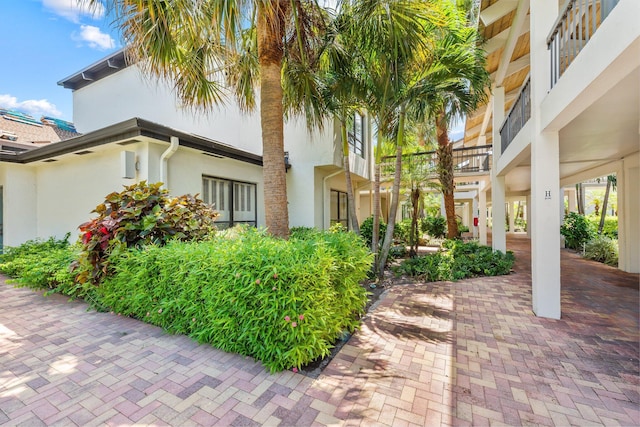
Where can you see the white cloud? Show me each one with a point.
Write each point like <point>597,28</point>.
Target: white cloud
<point>74,9</point>
<point>33,107</point>
<point>94,38</point>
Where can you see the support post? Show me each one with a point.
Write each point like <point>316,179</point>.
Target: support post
<point>498,190</point>
<point>545,173</point>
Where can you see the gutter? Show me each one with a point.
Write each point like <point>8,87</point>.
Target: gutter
<point>164,159</point>
<point>324,200</point>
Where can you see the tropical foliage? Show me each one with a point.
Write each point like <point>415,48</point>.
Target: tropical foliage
<point>576,230</point>
<point>140,215</point>
<point>283,302</point>
<point>458,261</point>
<point>602,249</point>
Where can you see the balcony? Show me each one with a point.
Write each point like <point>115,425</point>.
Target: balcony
<point>575,26</point>
<point>467,161</point>
<point>517,116</point>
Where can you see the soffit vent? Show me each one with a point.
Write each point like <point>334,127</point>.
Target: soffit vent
<point>82,153</point>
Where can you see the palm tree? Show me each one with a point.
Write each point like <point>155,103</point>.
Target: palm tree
<point>395,40</point>
<point>192,44</point>
<point>460,87</point>
<point>342,90</point>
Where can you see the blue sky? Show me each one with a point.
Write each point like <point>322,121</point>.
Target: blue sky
<point>43,42</point>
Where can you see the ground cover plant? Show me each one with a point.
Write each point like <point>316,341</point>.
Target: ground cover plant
<point>41,264</point>
<point>602,249</point>
<point>458,260</point>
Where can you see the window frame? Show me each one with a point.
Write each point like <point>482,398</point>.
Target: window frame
<point>332,220</point>
<point>230,199</point>
<point>356,140</point>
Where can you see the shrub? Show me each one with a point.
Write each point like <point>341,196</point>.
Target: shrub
<point>282,302</point>
<point>434,226</point>
<point>139,215</point>
<point>40,264</point>
<point>576,230</point>
<point>602,249</point>
<point>402,230</point>
<point>398,251</point>
<point>366,230</point>
<point>460,260</point>
<point>610,228</point>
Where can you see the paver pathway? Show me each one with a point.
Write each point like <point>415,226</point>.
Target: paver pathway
<point>443,353</point>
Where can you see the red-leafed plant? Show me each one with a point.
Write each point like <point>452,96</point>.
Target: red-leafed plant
<point>140,215</point>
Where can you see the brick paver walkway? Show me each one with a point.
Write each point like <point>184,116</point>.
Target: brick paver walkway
<point>460,353</point>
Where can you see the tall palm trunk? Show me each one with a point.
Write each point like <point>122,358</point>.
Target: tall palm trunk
<point>270,29</point>
<point>415,235</point>
<point>347,174</point>
<point>445,175</point>
<point>604,205</point>
<point>375,236</point>
<point>395,194</point>
<point>580,198</point>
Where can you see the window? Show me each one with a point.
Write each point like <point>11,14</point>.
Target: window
<point>339,208</point>
<point>235,201</point>
<point>356,135</point>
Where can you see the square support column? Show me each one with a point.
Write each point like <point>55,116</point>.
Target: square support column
<point>527,215</point>
<point>545,172</point>
<point>512,216</point>
<point>629,216</point>
<point>498,190</point>
<point>482,214</point>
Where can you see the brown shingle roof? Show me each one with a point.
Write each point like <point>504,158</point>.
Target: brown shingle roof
<point>17,128</point>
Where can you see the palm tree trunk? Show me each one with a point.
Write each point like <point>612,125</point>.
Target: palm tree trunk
<point>580,198</point>
<point>604,206</point>
<point>391,223</point>
<point>445,174</point>
<point>270,52</point>
<point>375,236</point>
<point>347,174</point>
<point>415,204</point>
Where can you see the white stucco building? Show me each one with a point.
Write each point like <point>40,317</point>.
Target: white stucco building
<point>565,108</point>
<point>134,129</point>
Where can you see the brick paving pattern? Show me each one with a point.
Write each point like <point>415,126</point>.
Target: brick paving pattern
<point>464,353</point>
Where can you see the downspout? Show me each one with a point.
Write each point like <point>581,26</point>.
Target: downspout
<point>173,147</point>
<point>324,186</point>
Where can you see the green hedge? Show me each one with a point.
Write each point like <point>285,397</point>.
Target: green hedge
<point>41,264</point>
<point>282,302</point>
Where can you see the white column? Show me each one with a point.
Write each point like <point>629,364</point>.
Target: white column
<point>628,187</point>
<point>512,216</point>
<point>482,214</point>
<point>527,215</point>
<point>443,210</point>
<point>499,236</point>
<point>545,173</point>
<point>573,202</point>
<point>474,214</point>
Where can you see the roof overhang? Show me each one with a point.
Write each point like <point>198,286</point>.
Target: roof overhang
<point>96,71</point>
<point>126,131</point>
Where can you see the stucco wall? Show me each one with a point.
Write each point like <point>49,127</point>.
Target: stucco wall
<point>187,166</point>
<point>19,203</point>
<point>69,189</point>
<point>128,94</point>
